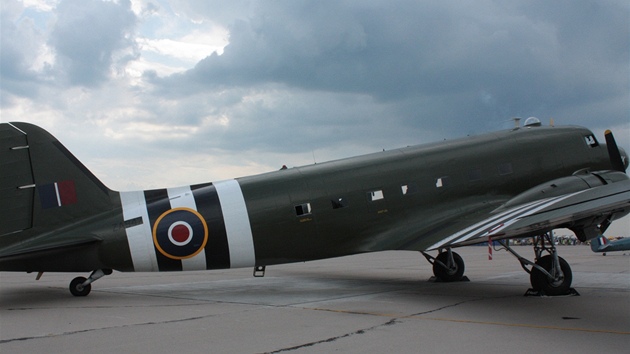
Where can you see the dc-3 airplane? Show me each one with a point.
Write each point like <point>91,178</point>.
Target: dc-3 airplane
<point>56,216</point>
<point>602,245</point>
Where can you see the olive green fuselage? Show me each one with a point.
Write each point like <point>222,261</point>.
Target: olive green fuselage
<point>403,199</point>
<point>448,186</point>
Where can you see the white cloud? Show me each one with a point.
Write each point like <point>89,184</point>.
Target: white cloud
<point>147,132</point>
<point>190,48</point>
<point>137,68</point>
<point>41,5</point>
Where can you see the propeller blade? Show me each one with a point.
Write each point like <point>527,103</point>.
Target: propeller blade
<point>613,152</point>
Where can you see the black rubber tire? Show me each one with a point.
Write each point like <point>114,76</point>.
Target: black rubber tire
<point>449,275</point>
<point>77,290</point>
<point>540,282</point>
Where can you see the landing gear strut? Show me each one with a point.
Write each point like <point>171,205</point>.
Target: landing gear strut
<point>448,266</point>
<point>80,286</point>
<point>551,274</point>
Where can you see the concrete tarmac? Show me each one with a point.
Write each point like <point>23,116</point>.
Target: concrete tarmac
<point>380,302</point>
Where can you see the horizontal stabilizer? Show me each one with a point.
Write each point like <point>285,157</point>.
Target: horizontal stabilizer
<point>41,244</point>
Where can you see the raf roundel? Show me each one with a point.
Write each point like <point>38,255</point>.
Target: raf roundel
<point>180,233</point>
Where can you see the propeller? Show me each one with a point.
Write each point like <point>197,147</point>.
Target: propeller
<point>613,152</point>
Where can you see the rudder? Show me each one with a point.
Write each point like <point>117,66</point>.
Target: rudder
<point>16,179</point>
<point>598,244</point>
<point>41,183</point>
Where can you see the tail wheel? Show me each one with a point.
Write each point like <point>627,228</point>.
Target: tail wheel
<point>453,272</point>
<point>77,289</point>
<point>541,282</point>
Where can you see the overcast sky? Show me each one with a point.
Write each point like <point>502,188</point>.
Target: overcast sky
<point>162,93</point>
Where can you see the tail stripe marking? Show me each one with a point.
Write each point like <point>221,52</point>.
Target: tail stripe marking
<point>239,232</point>
<point>157,204</point>
<point>230,242</point>
<point>139,236</point>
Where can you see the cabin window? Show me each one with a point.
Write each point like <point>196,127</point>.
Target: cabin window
<point>505,169</point>
<point>410,188</point>
<point>375,195</point>
<point>303,209</point>
<point>339,203</point>
<point>442,181</point>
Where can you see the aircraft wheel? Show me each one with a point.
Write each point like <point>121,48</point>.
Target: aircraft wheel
<point>455,273</point>
<point>540,282</point>
<point>77,289</point>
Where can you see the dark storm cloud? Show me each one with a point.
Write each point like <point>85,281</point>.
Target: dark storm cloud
<point>299,76</point>
<point>87,34</point>
<point>485,60</point>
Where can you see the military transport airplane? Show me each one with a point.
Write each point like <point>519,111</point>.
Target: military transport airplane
<point>602,244</point>
<point>56,216</point>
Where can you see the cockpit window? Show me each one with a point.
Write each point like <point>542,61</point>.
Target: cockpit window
<point>591,141</point>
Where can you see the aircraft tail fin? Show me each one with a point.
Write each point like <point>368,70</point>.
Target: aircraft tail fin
<point>598,243</point>
<point>41,183</point>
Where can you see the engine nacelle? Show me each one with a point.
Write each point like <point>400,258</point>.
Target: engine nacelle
<point>579,181</point>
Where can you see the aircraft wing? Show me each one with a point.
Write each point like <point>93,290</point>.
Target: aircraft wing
<point>580,211</point>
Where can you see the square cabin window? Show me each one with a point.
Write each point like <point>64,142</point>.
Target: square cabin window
<point>441,182</point>
<point>303,209</point>
<point>375,195</point>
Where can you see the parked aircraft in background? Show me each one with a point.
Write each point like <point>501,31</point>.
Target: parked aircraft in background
<point>602,244</point>
<point>56,216</point>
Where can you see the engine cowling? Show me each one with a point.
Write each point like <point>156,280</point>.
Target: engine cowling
<point>579,181</point>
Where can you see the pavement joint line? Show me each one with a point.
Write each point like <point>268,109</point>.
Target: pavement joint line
<point>68,333</point>
<point>422,317</point>
<point>525,325</point>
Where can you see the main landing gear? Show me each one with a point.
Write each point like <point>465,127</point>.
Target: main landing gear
<point>448,266</point>
<point>80,286</point>
<point>550,275</point>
